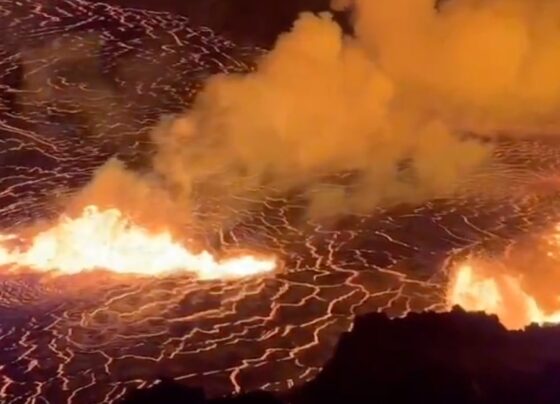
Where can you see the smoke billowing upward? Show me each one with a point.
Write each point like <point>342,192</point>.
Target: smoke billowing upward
<point>316,106</point>
<point>488,66</point>
<point>389,107</point>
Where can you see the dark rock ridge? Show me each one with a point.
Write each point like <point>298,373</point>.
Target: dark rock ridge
<point>254,21</point>
<point>454,357</point>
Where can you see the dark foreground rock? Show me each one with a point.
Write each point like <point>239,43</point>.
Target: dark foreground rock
<point>424,358</point>
<point>169,392</point>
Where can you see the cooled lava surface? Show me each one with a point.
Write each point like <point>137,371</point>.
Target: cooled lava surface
<point>81,82</point>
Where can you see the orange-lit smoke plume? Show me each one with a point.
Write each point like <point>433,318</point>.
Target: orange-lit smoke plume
<point>389,107</point>
<point>319,104</point>
<point>487,66</point>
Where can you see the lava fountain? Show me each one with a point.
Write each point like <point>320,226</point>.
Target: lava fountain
<point>521,288</point>
<point>108,240</point>
<point>475,289</point>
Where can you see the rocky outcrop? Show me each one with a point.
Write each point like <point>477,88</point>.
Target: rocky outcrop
<point>453,357</point>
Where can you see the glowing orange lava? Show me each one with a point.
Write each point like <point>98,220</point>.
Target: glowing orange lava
<point>483,287</point>
<point>106,239</point>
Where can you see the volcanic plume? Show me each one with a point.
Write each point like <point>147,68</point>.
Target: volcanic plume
<point>318,116</point>
<point>484,66</point>
<point>352,122</point>
<point>325,126</point>
<point>389,109</point>
<point>317,107</point>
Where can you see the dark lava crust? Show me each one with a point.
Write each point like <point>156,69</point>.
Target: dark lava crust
<point>81,82</point>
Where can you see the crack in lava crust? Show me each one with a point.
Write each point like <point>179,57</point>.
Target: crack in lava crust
<point>89,338</point>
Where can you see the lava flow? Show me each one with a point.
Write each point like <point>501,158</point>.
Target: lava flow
<point>107,239</point>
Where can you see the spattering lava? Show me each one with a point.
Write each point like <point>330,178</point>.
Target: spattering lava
<point>107,239</point>
<point>503,286</point>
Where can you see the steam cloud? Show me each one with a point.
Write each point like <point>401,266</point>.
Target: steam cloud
<point>388,107</point>
<point>483,65</point>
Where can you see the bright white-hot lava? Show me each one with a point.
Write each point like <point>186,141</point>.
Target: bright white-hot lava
<point>106,239</point>
<point>483,286</point>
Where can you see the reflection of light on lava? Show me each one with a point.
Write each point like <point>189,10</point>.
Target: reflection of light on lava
<point>108,240</point>
<point>478,287</point>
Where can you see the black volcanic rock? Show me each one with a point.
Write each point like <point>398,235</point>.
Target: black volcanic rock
<point>439,358</point>
<point>169,392</point>
<point>451,357</point>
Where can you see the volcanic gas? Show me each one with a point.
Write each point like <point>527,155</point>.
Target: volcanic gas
<point>107,239</point>
<point>363,161</point>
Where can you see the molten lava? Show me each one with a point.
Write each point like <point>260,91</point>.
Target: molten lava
<point>106,239</point>
<point>488,288</point>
